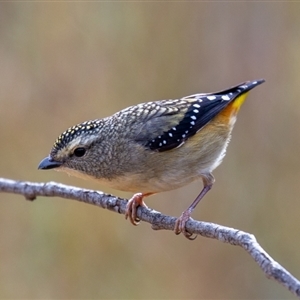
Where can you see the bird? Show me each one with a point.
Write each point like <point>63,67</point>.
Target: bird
<point>153,147</point>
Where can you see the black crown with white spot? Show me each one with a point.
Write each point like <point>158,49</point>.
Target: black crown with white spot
<point>88,127</point>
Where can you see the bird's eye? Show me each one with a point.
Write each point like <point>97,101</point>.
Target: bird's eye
<point>79,152</point>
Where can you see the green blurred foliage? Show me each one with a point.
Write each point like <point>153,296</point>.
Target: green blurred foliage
<point>63,63</point>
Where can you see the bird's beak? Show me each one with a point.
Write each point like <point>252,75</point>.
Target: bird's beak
<point>48,163</point>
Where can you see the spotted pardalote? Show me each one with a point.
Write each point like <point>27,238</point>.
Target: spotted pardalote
<point>153,147</point>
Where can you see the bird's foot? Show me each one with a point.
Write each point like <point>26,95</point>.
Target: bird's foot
<point>180,225</point>
<point>131,208</point>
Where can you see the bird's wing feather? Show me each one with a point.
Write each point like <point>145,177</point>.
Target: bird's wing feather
<point>166,131</point>
<point>167,124</point>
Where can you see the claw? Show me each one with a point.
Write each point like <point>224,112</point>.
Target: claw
<point>180,226</point>
<point>131,208</point>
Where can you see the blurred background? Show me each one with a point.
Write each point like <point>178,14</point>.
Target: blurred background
<point>64,63</point>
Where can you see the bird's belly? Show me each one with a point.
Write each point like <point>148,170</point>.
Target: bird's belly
<point>166,175</point>
<point>137,183</point>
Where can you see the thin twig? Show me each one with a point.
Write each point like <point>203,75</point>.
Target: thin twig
<point>247,241</point>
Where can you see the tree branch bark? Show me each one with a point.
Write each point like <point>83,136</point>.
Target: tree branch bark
<point>247,241</point>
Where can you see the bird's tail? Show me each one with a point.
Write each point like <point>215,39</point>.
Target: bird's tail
<point>242,91</point>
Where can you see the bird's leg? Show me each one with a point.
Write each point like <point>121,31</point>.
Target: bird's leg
<point>131,207</point>
<point>208,181</point>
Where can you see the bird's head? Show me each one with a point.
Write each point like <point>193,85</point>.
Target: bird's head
<point>77,149</point>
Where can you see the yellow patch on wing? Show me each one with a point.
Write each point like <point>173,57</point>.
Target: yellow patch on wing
<point>237,103</point>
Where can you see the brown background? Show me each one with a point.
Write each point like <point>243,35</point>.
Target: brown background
<point>63,63</point>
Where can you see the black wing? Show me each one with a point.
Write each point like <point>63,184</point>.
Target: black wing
<point>173,127</point>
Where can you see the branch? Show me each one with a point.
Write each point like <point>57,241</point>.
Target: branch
<point>247,241</point>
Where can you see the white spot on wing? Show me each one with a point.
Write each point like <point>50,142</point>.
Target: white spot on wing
<point>211,97</point>
<point>225,97</point>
